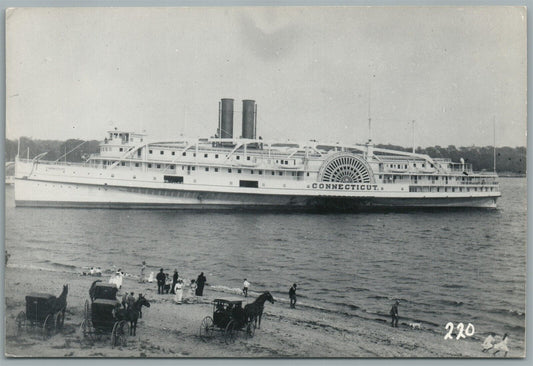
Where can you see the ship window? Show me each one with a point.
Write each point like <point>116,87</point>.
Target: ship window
<point>173,153</point>
<point>184,154</point>
<point>252,172</point>
<point>216,156</point>
<point>293,174</point>
<point>273,172</point>
<point>139,152</point>
<point>173,179</point>
<point>286,162</point>
<point>121,149</point>
<point>239,171</point>
<point>149,151</point>
<point>123,163</point>
<point>205,155</point>
<point>248,183</point>
<point>194,155</point>
<point>136,165</point>
<point>229,170</point>
<point>158,166</point>
<point>161,152</point>
<point>149,165</point>
<point>280,173</point>
<point>216,170</point>
<point>206,169</point>
<point>308,174</point>
<point>238,157</point>
<point>260,172</point>
<point>247,158</point>
<point>193,168</point>
<point>172,167</point>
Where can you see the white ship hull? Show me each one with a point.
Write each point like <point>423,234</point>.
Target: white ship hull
<point>33,193</point>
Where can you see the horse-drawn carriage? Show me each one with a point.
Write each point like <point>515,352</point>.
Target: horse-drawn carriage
<point>100,319</point>
<point>44,312</point>
<point>104,316</point>
<point>229,317</point>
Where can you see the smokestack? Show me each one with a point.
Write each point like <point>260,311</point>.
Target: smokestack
<point>248,119</point>
<point>226,118</point>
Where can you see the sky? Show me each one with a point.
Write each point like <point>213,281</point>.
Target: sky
<point>315,72</point>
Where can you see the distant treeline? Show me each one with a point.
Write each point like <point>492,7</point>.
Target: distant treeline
<point>510,160</point>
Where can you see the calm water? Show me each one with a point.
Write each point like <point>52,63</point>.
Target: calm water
<point>461,266</point>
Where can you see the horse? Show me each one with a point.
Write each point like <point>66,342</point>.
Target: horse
<point>254,311</point>
<point>133,313</point>
<point>60,304</point>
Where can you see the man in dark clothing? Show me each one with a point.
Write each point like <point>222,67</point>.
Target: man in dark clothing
<point>174,281</point>
<point>200,281</point>
<point>394,314</point>
<point>292,295</point>
<point>160,282</point>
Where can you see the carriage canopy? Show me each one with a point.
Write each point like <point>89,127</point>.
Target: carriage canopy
<point>39,306</point>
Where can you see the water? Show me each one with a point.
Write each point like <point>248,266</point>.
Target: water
<point>450,265</point>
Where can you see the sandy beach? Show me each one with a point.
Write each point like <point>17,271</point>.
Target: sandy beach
<point>171,330</point>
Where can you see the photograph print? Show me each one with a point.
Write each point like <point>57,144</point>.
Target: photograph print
<point>265,182</point>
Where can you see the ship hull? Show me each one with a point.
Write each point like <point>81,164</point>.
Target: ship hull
<point>29,193</point>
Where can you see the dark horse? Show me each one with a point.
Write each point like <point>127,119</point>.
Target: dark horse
<point>254,311</point>
<point>60,304</point>
<point>133,313</point>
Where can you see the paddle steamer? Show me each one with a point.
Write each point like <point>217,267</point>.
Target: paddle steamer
<point>226,171</point>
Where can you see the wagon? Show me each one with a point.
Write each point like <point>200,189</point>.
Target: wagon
<point>43,312</point>
<point>228,317</point>
<point>100,315</point>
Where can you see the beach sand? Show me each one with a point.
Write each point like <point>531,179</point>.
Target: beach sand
<point>171,330</point>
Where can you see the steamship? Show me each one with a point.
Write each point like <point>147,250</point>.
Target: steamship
<point>226,171</point>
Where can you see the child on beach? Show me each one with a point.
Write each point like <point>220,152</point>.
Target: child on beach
<point>143,268</point>
<point>246,284</point>
<point>394,314</point>
<point>292,295</point>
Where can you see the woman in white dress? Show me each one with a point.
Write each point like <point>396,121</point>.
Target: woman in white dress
<point>178,289</point>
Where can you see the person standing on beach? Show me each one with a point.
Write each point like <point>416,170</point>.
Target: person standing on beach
<point>178,291</point>
<point>160,281</point>
<point>143,267</point>
<point>174,281</point>
<point>131,300</point>
<point>394,314</point>
<point>245,286</point>
<point>292,295</point>
<point>200,282</point>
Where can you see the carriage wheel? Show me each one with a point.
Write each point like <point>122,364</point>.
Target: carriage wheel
<point>230,333</point>
<point>49,326</point>
<point>207,328</point>
<point>87,310</point>
<point>60,319</point>
<point>120,333</point>
<point>84,328</point>
<point>250,329</point>
<point>20,323</point>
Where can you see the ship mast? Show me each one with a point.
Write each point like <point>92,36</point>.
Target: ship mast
<point>494,142</point>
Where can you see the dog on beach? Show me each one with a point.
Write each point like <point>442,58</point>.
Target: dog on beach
<point>415,325</point>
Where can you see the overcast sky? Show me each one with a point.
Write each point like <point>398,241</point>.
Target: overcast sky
<point>315,72</point>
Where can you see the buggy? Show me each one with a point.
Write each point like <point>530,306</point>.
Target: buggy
<point>100,315</point>
<point>228,317</point>
<point>44,312</point>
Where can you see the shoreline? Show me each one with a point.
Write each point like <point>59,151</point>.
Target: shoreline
<point>169,330</point>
